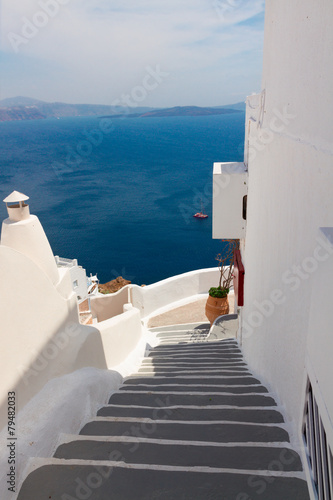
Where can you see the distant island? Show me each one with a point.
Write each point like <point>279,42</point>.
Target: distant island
<point>179,111</point>
<point>20,113</point>
<point>25,108</point>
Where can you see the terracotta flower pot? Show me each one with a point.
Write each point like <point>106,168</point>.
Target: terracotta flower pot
<point>216,307</point>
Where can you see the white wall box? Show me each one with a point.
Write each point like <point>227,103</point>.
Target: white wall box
<point>229,200</point>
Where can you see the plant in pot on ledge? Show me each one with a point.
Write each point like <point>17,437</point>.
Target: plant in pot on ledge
<point>217,303</point>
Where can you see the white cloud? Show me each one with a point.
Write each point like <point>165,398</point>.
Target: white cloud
<point>105,46</point>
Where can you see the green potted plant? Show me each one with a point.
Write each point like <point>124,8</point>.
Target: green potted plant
<point>217,303</point>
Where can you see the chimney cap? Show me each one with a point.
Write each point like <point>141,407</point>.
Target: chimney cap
<point>15,197</point>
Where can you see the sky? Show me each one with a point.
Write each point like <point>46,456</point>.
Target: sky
<point>156,53</point>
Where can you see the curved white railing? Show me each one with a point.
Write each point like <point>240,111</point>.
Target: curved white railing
<point>164,293</point>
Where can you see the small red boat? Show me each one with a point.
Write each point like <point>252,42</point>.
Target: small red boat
<point>201,215</point>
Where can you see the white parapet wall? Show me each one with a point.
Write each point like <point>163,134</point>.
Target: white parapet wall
<point>120,335</point>
<point>152,298</point>
<point>107,306</point>
<point>59,371</point>
<point>41,336</point>
<point>100,358</point>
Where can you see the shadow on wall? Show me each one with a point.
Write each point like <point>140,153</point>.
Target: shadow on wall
<point>69,348</point>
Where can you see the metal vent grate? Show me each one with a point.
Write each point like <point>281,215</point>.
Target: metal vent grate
<point>318,450</point>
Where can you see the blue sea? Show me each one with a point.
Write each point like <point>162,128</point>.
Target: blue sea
<point>120,195</point>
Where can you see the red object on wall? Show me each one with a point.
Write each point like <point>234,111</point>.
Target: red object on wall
<point>239,274</point>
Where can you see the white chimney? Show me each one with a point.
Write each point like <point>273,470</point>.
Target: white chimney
<point>16,208</point>
<point>24,233</point>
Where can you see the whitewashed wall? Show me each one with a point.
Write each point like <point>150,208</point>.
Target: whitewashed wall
<point>153,297</point>
<point>32,312</point>
<point>107,306</point>
<point>120,336</point>
<point>40,334</point>
<point>319,346</point>
<point>79,276</point>
<point>290,192</point>
<point>28,237</point>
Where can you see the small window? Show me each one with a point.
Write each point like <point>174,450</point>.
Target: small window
<point>75,284</point>
<point>244,207</point>
<point>317,448</point>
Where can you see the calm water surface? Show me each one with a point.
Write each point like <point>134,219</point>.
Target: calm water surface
<point>125,204</point>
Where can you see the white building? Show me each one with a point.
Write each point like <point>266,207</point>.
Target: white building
<point>78,276</point>
<point>286,322</point>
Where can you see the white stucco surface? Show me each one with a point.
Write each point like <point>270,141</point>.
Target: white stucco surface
<point>319,347</point>
<point>289,149</point>
<point>32,314</point>
<point>28,237</point>
<point>106,306</point>
<point>64,406</point>
<point>41,336</point>
<point>120,335</point>
<point>229,189</point>
<point>167,293</point>
<point>79,282</point>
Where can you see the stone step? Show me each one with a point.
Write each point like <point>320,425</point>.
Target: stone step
<point>179,333</point>
<point>218,344</point>
<point>192,413</point>
<point>190,455</point>
<point>195,347</point>
<point>204,353</point>
<point>188,364</point>
<point>187,326</point>
<point>196,364</point>
<point>194,353</point>
<point>181,342</point>
<point>134,482</point>
<point>223,368</point>
<point>216,367</point>
<point>208,344</point>
<point>253,389</point>
<point>186,431</point>
<point>182,335</point>
<point>155,372</point>
<point>211,357</point>
<point>185,350</point>
<point>196,400</point>
<point>198,369</point>
<point>188,356</point>
<point>224,381</point>
<point>150,363</point>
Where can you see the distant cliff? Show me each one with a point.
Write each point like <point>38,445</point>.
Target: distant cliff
<point>25,108</point>
<point>188,111</point>
<point>181,111</point>
<point>20,113</point>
